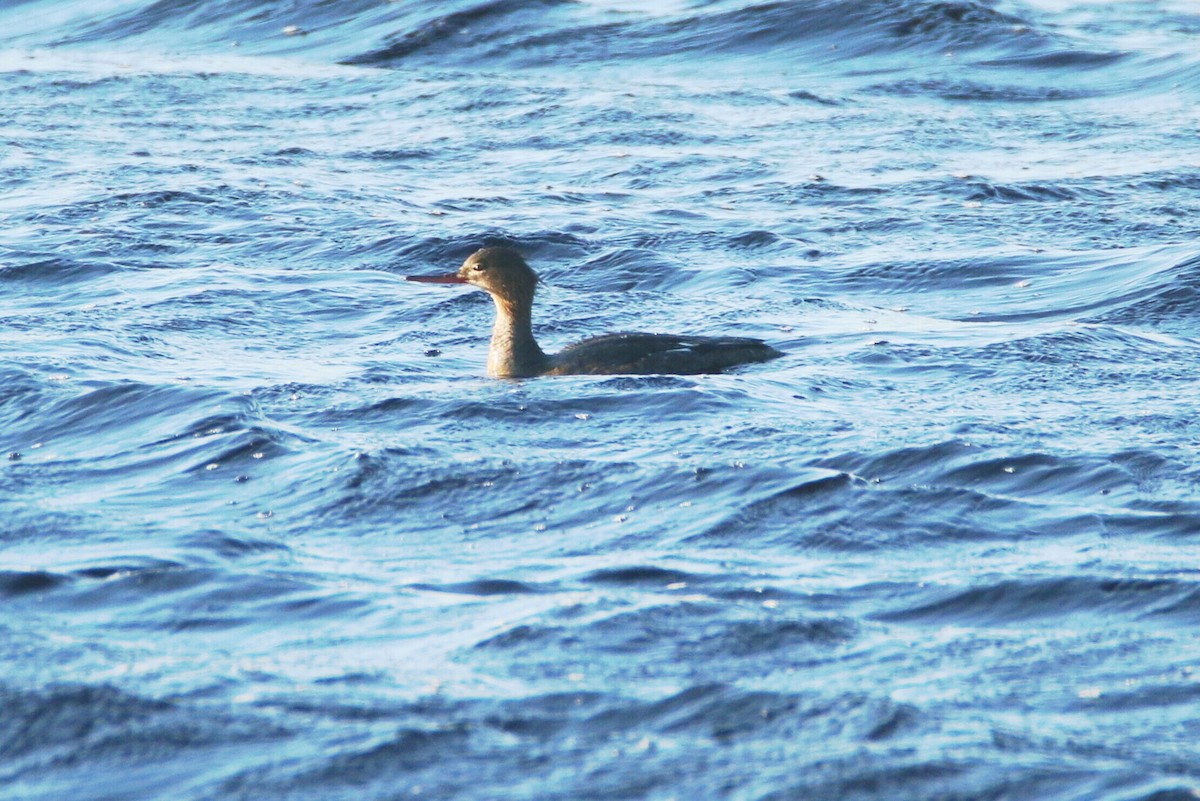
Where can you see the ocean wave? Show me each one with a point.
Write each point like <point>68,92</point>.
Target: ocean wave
<point>1011,602</point>
<point>502,32</point>
<point>1087,286</point>
<point>993,52</point>
<point>268,530</point>
<point>970,91</point>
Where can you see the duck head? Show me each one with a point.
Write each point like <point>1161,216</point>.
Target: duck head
<point>500,271</point>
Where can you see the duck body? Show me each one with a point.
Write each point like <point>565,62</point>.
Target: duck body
<point>635,353</point>
<point>514,353</point>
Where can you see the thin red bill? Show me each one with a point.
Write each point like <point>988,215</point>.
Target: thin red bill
<point>452,278</point>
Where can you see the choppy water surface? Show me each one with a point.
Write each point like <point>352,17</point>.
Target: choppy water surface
<point>268,532</point>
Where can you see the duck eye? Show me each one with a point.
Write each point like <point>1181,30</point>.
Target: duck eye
<point>478,268</point>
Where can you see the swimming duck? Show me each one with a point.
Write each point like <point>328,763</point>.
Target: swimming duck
<point>514,353</point>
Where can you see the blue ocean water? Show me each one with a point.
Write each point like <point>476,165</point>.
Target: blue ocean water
<point>267,531</point>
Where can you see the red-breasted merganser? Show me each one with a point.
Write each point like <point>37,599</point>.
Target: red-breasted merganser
<point>514,353</point>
